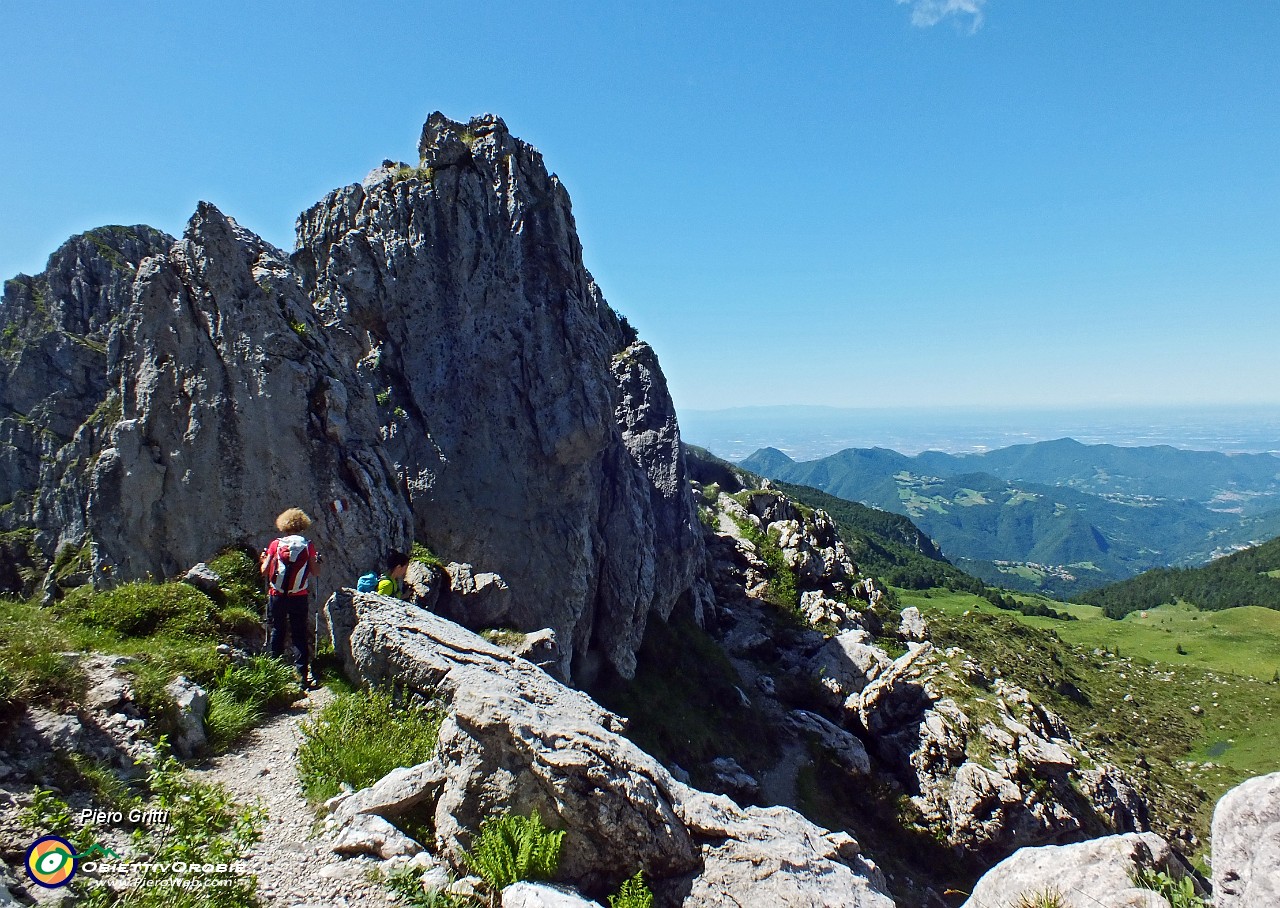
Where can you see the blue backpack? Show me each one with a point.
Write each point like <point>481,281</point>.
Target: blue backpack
<point>368,583</point>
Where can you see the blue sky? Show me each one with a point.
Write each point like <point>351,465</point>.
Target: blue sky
<point>857,203</point>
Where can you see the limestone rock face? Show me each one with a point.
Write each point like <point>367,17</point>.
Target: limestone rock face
<point>516,740</point>
<point>433,363</point>
<point>538,440</point>
<point>54,389</point>
<point>235,405</point>
<point>1246,845</point>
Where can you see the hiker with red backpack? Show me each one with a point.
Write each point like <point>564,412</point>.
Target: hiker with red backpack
<point>288,564</point>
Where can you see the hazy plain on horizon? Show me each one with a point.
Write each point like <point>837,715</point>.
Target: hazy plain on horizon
<point>809,432</point>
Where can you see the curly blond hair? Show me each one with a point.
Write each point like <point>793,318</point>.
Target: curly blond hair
<point>293,520</point>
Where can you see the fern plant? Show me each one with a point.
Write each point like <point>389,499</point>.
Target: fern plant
<point>511,848</point>
<point>633,894</point>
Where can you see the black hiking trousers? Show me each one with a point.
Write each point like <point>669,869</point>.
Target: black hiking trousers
<point>290,611</point>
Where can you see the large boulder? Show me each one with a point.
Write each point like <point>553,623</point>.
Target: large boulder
<point>540,895</point>
<point>846,664</point>
<point>516,740</point>
<point>190,707</point>
<point>1246,845</point>
<point>1098,873</point>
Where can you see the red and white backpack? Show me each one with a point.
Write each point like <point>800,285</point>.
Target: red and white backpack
<point>288,566</point>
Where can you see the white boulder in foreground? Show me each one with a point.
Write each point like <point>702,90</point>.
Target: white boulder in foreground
<point>1098,873</point>
<point>1246,845</point>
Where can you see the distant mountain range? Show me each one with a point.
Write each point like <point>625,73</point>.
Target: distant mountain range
<point>1058,516</point>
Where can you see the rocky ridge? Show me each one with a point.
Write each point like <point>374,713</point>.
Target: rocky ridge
<point>988,768</point>
<point>433,363</point>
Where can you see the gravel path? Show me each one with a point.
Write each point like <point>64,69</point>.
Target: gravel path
<point>295,868</point>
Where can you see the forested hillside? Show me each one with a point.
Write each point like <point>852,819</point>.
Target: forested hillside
<point>1249,577</point>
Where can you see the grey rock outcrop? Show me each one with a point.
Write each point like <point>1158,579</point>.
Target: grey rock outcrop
<point>848,751</point>
<point>56,400</point>
<point>433,363</point>
<point>190,705</point>
<point>1246,845</point>
<point>517,740</point>
<point>912,626</point>
<point>994,774</point>
<point>475,598</point>
<point>1098,873</point>
<point>846,664</point>
<point>236,403</point>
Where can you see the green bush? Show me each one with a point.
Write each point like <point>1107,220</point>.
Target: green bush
<point>633,894</point>
<point>781,591</point>
<point>141,609</point>
<point>240,582</point>
<point>240,622</point>
<point>205,826</point>
<point>511,848</point>
<point>1180,893</point>
<point>33,669</point>
<point>359,738</point>
<point>419,552</point>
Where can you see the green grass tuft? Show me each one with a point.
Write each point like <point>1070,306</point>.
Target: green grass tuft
<point>140,609</point>
<point>419,552</point>
<point>1050,897</point>
<point>240,582</point>
<point>359,738</point>
<point>229,718</point>
<point>503,636</point>
<point>244,694</point>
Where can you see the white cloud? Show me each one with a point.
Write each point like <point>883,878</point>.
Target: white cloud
<point>925,13</point>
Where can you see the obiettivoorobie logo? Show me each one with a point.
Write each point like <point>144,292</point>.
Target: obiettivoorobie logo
<point>52,861</point>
